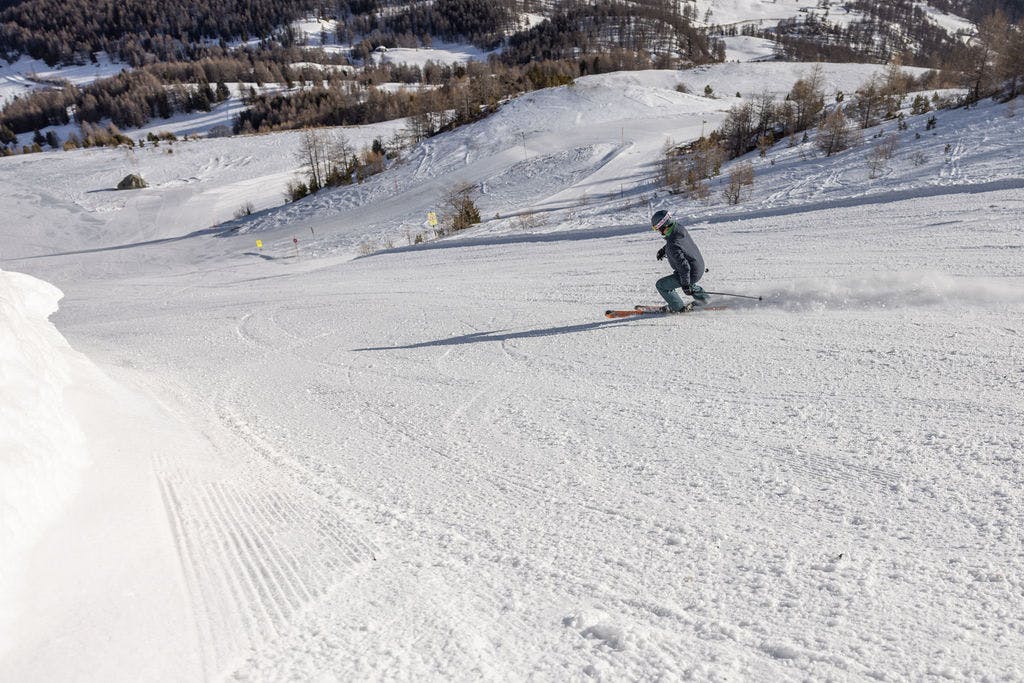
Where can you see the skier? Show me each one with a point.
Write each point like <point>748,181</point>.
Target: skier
<point>686,261</point>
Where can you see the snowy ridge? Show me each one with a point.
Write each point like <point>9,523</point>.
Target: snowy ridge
<point>41,445</point>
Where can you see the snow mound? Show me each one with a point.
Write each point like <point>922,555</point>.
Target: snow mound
<point>595,625</point>
<point>41,445</point>
<point>896,291</point>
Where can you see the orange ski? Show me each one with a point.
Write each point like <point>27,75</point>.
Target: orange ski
<point>656,310</point>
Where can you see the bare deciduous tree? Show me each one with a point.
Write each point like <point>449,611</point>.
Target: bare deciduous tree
<point>313,155</point>
<point>808,98</point>
<point>834,134</point>
<point>740,176</point>
<point>880,153</point>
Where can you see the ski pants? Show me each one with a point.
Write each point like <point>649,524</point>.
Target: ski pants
<point>667,287</point>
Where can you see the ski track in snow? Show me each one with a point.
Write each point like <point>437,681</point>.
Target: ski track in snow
<point>258,547</point>
<point>439,462</point>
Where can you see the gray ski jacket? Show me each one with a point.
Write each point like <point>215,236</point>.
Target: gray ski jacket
<point>683,255</point>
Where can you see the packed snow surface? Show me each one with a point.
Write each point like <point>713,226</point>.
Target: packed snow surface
<point>440,461</point>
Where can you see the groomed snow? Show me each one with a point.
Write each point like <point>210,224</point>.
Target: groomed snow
<point>441,462</point>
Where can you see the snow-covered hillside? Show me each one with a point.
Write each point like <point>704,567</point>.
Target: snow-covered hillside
<point>548,151</point>
<point>442,462</point>
<point>768,13</point>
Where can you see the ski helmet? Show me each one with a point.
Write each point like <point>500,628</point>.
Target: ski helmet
<point>660,220</point>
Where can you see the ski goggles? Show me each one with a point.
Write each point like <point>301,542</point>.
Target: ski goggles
<point>667,220</point>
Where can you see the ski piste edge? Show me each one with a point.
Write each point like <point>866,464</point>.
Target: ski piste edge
<point>656,310</point>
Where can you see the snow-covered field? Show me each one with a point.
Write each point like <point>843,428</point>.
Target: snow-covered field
<point>950,22</point>
<point>764,13</point>
<point>748,49</point>
<point>441,462</point>
<point>25,74</point>
<point>439,53</point>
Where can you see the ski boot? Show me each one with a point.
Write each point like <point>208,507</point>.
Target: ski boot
<point>700,297</point>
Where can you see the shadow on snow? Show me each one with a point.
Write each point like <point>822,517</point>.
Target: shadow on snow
<point>500,336</point>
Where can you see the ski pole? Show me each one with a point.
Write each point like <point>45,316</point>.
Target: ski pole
<point>740,296</point>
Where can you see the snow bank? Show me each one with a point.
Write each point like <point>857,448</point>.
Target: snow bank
<point>41,446</point>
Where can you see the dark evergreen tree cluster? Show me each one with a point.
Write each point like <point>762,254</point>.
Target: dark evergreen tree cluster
<point>131,98</point>
<point>887,28</point>
<point>655,31</point>
<point>70,31</point>
<point>484,23</point>
<point>462,94</point>
<point>976,10</point>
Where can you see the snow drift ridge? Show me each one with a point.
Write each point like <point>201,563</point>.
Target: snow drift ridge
<point>41,445</point>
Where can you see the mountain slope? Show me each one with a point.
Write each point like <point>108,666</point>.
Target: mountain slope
<point>442,462</point>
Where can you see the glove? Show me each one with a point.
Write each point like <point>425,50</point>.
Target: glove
<point>687,290</point>
<point>661,253</point>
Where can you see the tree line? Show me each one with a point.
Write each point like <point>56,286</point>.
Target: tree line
<point>976,10</point>
<point>143,31</point>
<point>484,23</point>
<point>132,98</point>
<point>450,96</point>
<point>70,31</point>
<point>333,95</point>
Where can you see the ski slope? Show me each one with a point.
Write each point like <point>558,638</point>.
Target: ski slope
<point>441,462</point>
